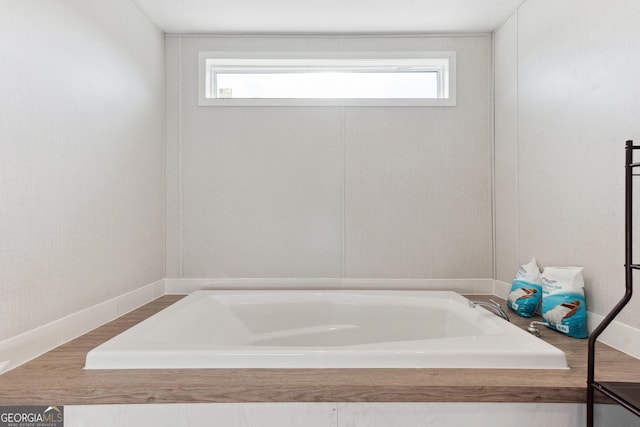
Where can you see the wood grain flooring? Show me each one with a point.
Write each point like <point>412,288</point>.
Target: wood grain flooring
<point>58,377</point>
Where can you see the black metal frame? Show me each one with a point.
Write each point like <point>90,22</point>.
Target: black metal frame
<point>625,394</point>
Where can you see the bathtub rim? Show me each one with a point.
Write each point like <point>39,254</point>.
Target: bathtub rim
<point>249,358</point>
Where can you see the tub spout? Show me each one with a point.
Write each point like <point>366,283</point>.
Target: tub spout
<point>533,327</point>
<point>493,306</point>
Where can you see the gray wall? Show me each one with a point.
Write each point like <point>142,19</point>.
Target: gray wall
<point>377,192</point>
<point>81,157</point>
<point>567,97</point>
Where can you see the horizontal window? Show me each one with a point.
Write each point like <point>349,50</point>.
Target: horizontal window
<point>383,80</point>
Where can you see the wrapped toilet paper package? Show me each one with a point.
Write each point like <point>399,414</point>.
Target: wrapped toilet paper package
<point>563,304</point>
<point>526,290</point>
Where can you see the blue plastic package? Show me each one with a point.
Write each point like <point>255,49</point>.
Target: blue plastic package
<point>526,290</point>
<point>563,303</point>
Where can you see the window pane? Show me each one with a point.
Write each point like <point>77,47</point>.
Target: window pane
<point>256,85</point>
<point>236,79</point>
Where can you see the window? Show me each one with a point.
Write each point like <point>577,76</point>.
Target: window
<point>401,79</point>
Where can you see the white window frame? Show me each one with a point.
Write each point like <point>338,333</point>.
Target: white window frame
<point>444,62</point>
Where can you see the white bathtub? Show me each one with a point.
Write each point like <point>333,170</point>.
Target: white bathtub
<point>324,329</point>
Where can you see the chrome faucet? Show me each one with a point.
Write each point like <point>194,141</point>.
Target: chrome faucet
<point>533,327</point>
<point>494,306</point>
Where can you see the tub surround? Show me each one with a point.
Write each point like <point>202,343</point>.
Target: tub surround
<point>59,377</point>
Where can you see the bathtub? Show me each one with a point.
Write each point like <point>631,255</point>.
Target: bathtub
<point>324,329</point>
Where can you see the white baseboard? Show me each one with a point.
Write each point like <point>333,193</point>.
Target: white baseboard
<point>617,335</point>
<point>24,347</point>
<point>467,286</point>
<point>501,289</point>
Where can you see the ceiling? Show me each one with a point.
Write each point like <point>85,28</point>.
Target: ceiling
<point>327,16</point>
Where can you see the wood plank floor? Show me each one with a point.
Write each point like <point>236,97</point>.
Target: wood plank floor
<point>57,377</point>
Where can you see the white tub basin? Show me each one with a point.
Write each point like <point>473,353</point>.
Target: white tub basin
<point>328,329</point>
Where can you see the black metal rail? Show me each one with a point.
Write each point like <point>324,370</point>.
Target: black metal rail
<point>625,394</point>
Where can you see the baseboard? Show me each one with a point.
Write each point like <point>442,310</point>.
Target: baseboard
<point>24,347</point>
<point>501,289</point>
<point>467,286</point>
<point>617,335</point>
